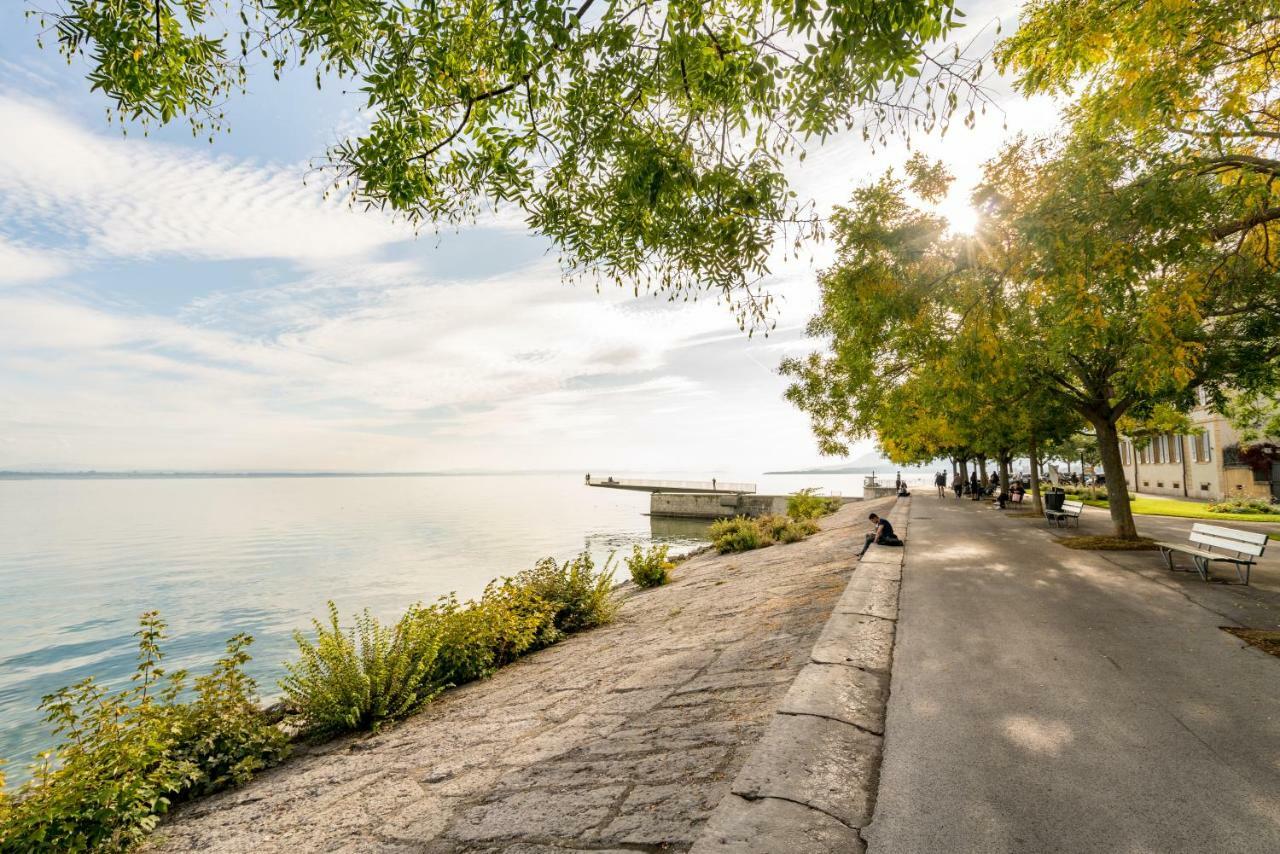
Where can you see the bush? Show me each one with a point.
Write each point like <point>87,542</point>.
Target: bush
<point>739,534</point>
<point>796,531</point>
<point>807,504</point>
<point>649,568</point>
<point>125,758</point>
<point>365,676</point>
<point>742,534</point>
<point>476,638</point>
<point>1244,505</point>
<point>580,597</point>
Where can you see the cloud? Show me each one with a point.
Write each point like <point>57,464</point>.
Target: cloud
<point>136,198</point>
<point>21,264</point>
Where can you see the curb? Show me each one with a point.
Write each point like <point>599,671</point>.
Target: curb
<point>809,786</point>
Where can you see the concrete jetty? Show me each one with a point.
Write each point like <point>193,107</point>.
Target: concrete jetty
<point>699,487</point>
<point>700,499</point>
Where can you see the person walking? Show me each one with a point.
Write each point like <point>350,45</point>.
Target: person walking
<point>975,487</point>
<point>940,481</point>
<point>957,485</point>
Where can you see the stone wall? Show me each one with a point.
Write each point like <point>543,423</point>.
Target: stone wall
<point>692,505</point>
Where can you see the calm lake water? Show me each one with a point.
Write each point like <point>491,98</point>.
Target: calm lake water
<point>81,559</point>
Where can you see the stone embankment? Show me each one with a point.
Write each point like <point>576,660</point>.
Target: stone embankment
<point>750,691</point>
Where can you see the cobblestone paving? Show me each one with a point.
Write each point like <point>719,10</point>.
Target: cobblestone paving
<point>620,739</point>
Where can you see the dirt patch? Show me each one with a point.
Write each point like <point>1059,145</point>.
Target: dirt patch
<point>1109,544</point>
<point>1266,640</point>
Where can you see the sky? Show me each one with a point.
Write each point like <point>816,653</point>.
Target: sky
<point>170,304</point>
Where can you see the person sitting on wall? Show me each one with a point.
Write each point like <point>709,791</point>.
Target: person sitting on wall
<point>882,535</point>
<point>902,489</point>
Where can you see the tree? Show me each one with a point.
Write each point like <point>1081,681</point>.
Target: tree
<point>921,348</point>
<point>1191,84</point>
<point>1131,305</point>
<point>1082,260</point>
<point>645,139</point>
<point>1081,446</point>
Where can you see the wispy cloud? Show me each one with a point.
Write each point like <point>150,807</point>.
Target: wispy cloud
<point>107,196</point>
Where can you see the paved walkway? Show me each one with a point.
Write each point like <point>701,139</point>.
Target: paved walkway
<point>624,738</point>
<point>1048,700</point>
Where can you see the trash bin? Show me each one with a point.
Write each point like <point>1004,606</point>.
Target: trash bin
<point>1053,499</point>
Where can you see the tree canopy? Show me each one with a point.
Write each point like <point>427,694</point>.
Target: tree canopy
<point>1087,288</point>
<point>647,140</point>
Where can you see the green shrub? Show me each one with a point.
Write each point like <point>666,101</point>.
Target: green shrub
<point>742,534</point>
<point>739,534</point>
<point>124,758</point>
<point>580,597</point>
<point>362,677</point>
<point>476,638</point>
<point>796,531</point>
<point>772,526</point>
<point>807,504</point>
<point>1244,505</point>
<point>649,567</point>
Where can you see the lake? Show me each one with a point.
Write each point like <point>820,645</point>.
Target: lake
<point>80,559</point>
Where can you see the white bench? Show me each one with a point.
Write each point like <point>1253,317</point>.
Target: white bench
<point>1240,548</point>
<point>1070,510</point>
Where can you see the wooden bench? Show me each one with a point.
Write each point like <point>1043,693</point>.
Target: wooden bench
<point>1070,510</point>
<point>1240,548</point>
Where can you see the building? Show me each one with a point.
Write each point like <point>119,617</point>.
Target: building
<point>1205,466</point>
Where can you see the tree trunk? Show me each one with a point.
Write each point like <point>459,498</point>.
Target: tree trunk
<point>1004,460</point>
<point>1117,489</point>
<point>982,472</point>
<point>1034,461</point>
<point>964,469</point>
<point>1186,465</point>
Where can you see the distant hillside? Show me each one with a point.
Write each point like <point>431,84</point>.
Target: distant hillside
<point>851,468</point>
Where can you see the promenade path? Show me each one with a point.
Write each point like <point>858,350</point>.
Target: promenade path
<point>624,738</point>
<point>1046,700</point>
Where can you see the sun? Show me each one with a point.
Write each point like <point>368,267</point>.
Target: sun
<point>961,216</point>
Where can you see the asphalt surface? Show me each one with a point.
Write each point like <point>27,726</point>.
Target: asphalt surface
<point>1046,700</point>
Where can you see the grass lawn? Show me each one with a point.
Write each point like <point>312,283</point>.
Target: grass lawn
<point>1150,506</point>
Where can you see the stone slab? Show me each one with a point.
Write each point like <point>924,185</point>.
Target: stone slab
<point>770,826</point>
<point>880,572</point>
<point>889,555</point>
<point>842,693</point>
<point>821,763</point>
<point>879,601</point>
<point>855,640</point>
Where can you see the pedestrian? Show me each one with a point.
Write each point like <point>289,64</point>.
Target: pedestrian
<point>957,485</point>
<point>588,477</point>
<point>975,488</point>
<point>881,534</point>
<point>940,481</point>
<point>713,484</point>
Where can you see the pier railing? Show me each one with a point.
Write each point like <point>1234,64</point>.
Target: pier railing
<point>714,486</point>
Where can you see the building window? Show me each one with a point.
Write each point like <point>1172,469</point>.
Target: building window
<point>1126,451</point>
<point>1175,445</point>
<point>1200,444</point>
<point>1202,396</point>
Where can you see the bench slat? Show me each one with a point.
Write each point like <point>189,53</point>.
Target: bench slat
<point>1230,533</point>
<point>1223,543</point>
